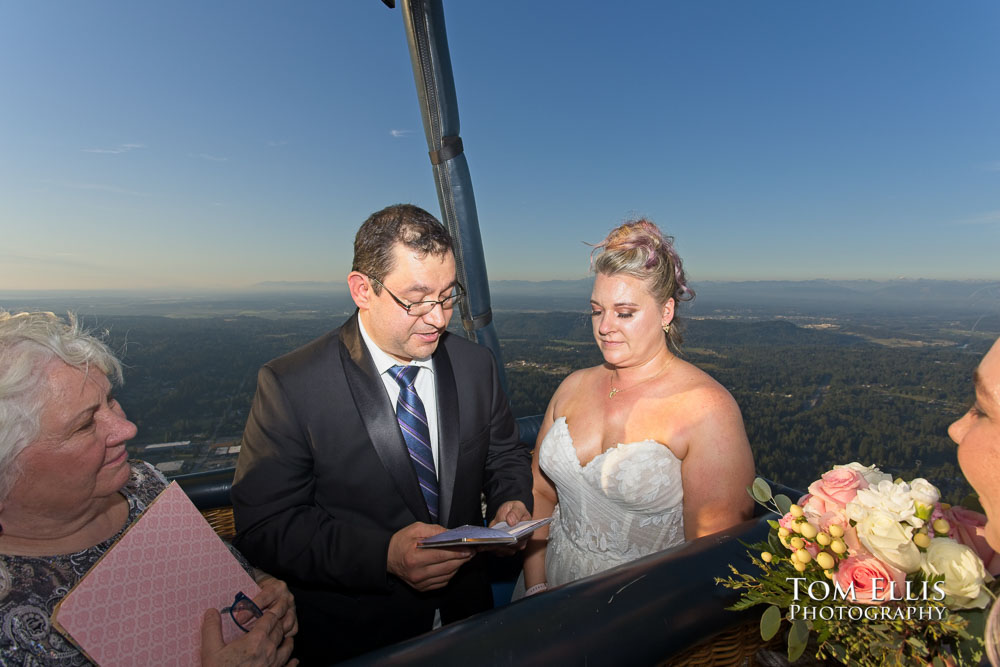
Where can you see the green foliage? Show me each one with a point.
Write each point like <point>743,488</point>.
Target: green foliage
<point>194,378</point>
<point>808,396</point>
<point>770,622</point>
<point>760,491</point>
<point>798,637</point>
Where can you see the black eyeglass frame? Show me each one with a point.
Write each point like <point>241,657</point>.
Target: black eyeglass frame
<point>243,603</point>
<point>447,303</point>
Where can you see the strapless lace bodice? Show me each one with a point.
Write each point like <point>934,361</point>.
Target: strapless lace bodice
<point>624,504</point>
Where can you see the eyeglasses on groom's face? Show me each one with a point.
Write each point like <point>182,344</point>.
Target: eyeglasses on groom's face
<point>421,308</point>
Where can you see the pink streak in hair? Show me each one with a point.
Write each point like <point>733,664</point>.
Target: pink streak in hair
<point>643,237</point>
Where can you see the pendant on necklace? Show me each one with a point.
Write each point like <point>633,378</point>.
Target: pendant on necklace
<point>611,394</point>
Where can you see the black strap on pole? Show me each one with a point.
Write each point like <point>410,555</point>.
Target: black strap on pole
<point>451,147</point>
<point>478,321</point>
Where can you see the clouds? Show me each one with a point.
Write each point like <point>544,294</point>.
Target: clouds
<point>116,150</point>
<point>128,148</point>
<point>399,134</point>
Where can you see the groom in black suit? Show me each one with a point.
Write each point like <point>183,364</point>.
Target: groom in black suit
<point>372,437</point>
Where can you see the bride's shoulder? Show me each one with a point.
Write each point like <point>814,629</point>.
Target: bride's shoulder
<point>584,376</point>
<point>578,381</point>
<point>703,393</point>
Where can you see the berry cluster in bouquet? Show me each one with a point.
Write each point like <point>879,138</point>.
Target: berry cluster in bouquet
<point>873,571</point>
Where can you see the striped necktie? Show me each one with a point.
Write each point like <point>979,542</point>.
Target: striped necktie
<point>412,420</point>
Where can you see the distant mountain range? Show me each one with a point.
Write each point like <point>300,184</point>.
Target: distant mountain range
<point>805,295</point>
<point>811,297</point>
<point>905,288</point>
<point>757,299</point>
<point>301,285</point>
<point>858,295</point>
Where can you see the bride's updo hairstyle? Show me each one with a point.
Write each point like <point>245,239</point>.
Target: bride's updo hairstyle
<point>639,249</point>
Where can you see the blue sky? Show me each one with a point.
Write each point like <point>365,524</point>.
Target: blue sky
<point>194,144</point>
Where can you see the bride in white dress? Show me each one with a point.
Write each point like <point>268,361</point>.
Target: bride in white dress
<point>644,451</point>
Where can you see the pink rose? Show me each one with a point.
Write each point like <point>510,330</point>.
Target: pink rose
<point>871,579</point>
<point>811,504</point>
<point>967,527</point>
<point>838,487</point>
<point>822,514</point>
<point>787,521</point>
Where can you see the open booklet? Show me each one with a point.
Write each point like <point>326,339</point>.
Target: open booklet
<point>501,533</point>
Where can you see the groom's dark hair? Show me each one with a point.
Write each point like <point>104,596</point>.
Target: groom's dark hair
<point>410,225</point>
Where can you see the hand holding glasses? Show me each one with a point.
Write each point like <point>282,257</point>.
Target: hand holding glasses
<point>243,612</point>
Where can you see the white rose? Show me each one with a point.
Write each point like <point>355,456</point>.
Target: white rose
<point>871,474</point>
<point>925,495</point>
<point>895,499</point>
<point>962,570</point>
<point>924,492</point>
<point>889,540</point>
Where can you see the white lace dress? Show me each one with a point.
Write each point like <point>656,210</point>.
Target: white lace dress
<point>624,504</point>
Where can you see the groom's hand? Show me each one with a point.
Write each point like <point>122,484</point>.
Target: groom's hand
<point>513,512</point>
<point>424,569</point>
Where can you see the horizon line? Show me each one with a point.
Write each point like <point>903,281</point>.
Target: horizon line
<point>287,285</point>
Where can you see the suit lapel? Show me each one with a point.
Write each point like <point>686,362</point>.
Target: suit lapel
<point>448,431</point>
<point>379,417</point>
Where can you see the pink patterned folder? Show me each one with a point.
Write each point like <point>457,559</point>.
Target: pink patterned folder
<point>143,601</point>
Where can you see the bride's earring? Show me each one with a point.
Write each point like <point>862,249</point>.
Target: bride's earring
<point>666,328</point>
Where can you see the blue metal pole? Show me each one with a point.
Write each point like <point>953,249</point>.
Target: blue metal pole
<point>425,32</point>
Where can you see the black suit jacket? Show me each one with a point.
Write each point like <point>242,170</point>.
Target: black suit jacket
<point>324,479</point>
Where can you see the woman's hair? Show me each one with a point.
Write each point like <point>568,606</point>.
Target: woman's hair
<point>639,249</point>
<point>28,343</point>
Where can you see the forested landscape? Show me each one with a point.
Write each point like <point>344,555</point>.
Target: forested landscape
<point>809,397</point>
<point>878,390</point>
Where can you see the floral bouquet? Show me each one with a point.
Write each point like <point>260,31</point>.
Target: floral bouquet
<point>881,571</point>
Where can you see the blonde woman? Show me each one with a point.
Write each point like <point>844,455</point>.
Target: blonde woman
<point>644,451</point>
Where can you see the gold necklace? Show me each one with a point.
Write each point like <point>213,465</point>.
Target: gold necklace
<point>615,390</point>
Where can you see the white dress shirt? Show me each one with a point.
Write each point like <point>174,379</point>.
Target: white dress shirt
<point>425,384</point>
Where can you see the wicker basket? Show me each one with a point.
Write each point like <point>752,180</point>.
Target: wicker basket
<point>221,521</point>
<point>737,646</point>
